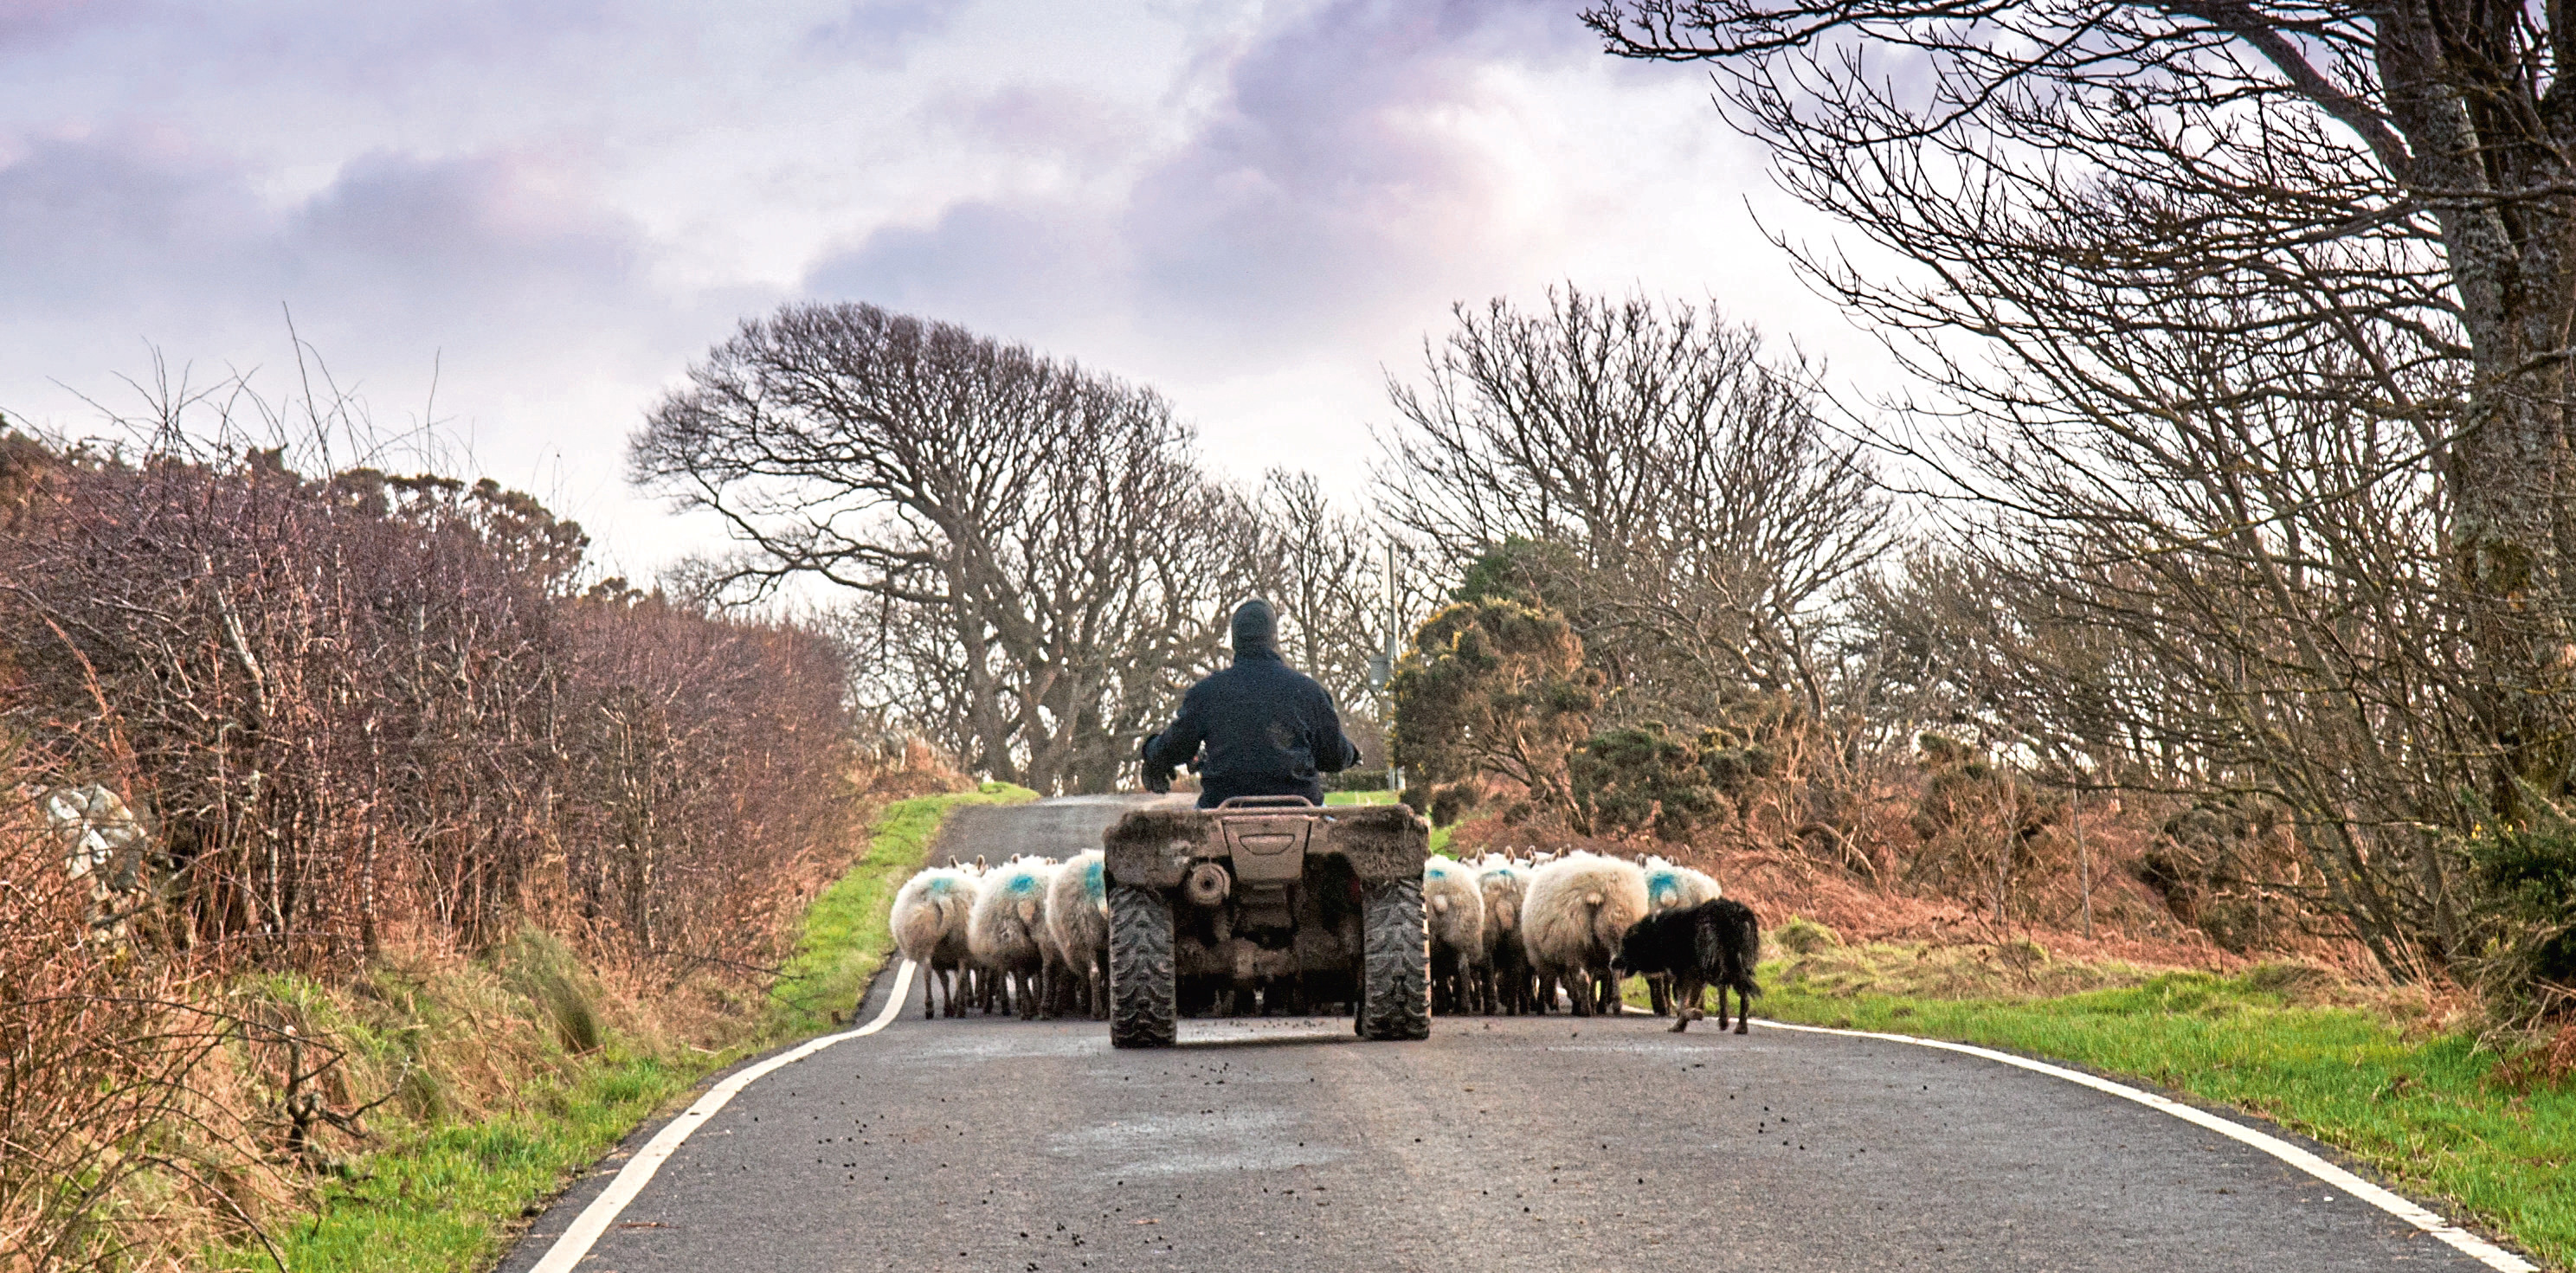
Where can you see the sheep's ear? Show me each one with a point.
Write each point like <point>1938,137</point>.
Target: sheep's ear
<point>979,861</point>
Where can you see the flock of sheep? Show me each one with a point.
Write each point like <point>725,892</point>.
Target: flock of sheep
<point>1032,934</point>
<point>1507,933</point>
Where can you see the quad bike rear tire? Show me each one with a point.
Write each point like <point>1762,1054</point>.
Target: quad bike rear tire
<point>1395,978</point>
<point>1143,1010</point>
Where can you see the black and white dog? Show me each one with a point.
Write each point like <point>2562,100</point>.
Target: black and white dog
<point>1711,944</point>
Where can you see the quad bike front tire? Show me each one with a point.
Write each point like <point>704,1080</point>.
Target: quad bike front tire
<point>1395,972</point>
<point>1143,1012</point>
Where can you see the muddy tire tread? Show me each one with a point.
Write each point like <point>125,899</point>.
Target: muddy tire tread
<point>1395,993</point>
<point>1142,1010</point>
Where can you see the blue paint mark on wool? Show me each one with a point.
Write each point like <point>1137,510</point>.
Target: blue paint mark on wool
<point>1663,886</point>
<point>1022,882</point>
<point>1093,884</point>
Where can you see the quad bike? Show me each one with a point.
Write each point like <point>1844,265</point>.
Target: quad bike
<point>1273,896</point>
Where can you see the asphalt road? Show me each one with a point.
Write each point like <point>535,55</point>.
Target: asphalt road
<point>1498,1144</point>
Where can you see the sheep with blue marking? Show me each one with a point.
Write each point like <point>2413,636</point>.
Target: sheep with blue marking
<point>1453,907</point>
<point>1002,931</point>
<point>1577,910</point>
<point>1077,915</point>
<point>1670,887</point>
<point>1673,888</point>
<point>929,922</point>
<point>1508,983</point>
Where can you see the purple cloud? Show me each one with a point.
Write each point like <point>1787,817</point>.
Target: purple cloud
<point>1328,180</point>
<point>880,33</point>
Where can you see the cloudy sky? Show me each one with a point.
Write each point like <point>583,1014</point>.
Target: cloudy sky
<point>547,208</point>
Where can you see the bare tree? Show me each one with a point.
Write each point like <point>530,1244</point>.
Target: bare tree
<point>1692,513</point>
<point>1032,534</point>
<point>2253,322</point>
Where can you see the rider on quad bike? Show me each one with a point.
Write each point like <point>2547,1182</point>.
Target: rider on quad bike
<point>1268,729</point>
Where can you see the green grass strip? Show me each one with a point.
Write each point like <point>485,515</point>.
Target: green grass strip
<point>2431,1115</point>
<point>846,933</point>
<point>441,1198</point>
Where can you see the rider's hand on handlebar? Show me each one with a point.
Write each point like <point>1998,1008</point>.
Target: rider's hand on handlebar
<point>1158,779</point>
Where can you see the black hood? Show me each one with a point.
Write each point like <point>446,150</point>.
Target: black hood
<point>1256,630</point>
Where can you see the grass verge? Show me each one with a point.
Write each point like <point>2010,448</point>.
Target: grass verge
<point>2428,1109</point>
<point>1439,835</point>
<point>846,937</point>
<point>441,1195</point>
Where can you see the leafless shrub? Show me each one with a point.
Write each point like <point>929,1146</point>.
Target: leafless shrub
<point>1658,479</point>
<point>367,719</point>
<point>100,1045</point>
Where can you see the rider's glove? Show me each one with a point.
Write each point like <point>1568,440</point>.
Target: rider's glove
<point>1158,779</point>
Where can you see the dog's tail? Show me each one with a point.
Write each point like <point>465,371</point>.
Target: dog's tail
<point>1748,951</point>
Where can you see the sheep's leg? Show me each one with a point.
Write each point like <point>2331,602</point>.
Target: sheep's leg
<point>1743,1007</point>
<point>1578,985</point>
<point>1659,993</point>
<point>1612,1003</point>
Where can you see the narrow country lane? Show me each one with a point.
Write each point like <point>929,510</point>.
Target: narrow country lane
<point>1499,1144</point>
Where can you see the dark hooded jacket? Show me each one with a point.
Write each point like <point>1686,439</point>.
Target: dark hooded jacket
<point>1268,730</point>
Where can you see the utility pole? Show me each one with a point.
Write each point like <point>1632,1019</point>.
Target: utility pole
<point>2084,862</point>
<point>1382,665</point>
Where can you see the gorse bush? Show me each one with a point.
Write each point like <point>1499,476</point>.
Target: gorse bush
<point>2528,872</point>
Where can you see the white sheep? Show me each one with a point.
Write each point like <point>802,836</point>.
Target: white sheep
<point>1509,986</point>
<point>1454,908</point>
<point>1673,888</point>
<point>1002,931</point>
<point>1577,909</point>
<point>1077,915</point>
<point>929,923</point>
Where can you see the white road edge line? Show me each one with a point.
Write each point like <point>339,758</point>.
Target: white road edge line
<point>638,1172</point>
<point>2461,1240</point>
